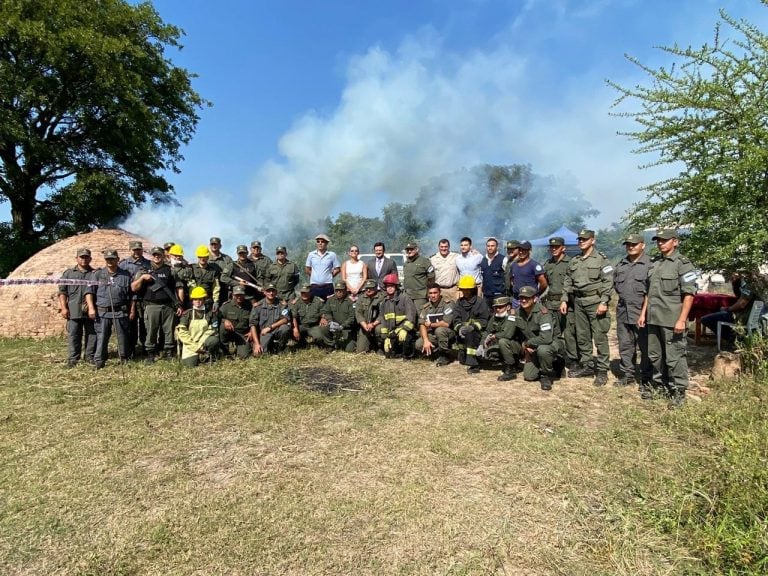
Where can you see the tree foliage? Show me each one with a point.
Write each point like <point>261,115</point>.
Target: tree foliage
<point>707,116</point>
<point>92,113</point>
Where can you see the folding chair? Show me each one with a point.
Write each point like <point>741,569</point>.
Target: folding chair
<point>753,321</point>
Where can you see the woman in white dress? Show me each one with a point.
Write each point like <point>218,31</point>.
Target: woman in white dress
<point>354,272</point>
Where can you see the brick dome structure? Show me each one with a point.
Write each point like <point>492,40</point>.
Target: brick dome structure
<point>33,311</point>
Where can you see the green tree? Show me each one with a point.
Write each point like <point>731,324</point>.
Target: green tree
<point>705,116</point>
<point>92,113</point>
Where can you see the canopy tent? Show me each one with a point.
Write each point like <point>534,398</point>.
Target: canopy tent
<point>570,237</point>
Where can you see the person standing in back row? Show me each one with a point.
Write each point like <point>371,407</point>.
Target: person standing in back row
<point>322,266</point>
<point>74,309</point>
<point>418,273</point>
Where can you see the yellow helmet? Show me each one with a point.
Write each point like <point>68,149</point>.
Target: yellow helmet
<point>176,250</point>
<point>202,251</point>
<point>198,293</point>
<point>466,282</point>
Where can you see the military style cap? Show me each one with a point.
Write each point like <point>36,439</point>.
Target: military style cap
<point>339,285</point>
<point>665,234</point>
<point>501,301</point>
<point>83,252</point>
<point>110,253</point>
<point>633,239</point>
<point>168,245</point>
<point>255,244</point>
<point>157,250</point>
<point>214,240</point>
<point>282,249</point>
<point>512,244</point>
<point>322,237</point>
<point>411,245</point>
<point>585,233</point>
<point>270,286</point>
<point>370,284</point>
<point>242,248</point>
<point>557,241</point>
<point>528,291</point>
<point>305,288</point>
<point>238,290</point>
<point>525,245</point>
<point>135,245</point>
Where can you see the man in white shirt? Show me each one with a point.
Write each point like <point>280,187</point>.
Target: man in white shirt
<point>468,262</point>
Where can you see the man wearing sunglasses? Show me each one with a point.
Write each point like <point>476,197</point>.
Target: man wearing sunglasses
<point>321,267</point>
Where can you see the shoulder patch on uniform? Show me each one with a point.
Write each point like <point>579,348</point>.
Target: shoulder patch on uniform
<point>538,268</point>
<point>546,326</point>
<point>285,312</point>
<point>690,277</point>
<point>431,269</point>
<point>448,310</point>
<point>607,269</point>
<point>511,317</point>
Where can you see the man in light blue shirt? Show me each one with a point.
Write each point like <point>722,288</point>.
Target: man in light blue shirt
<point>469,260</point>
<point>321,266</point>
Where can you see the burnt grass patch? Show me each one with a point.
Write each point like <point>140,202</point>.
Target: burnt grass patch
<point>323,379</point>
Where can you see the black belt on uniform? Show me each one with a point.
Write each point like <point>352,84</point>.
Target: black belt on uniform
<point>582,294</point>
<point>117,308</point>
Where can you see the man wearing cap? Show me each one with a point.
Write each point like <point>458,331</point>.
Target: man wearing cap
<point>489,344</point>
<point>135,264</point>
<point>513,247</point>
<point>262,262</point>
<point>321,267</point>
<point>435,333</point>
<point>670,288</point>
<point>555,268</point>
<point>398,320</point>
<point>337,320</point>
<point>526,272</point>
<point>156,288</point>
<point>530,336</point>
<point>270,324</point>
<point>234,323</point>
<point>629,279</point>
<point>380,265</point>
<point>446,273</point>
<point>418,272</point>
<point>589,282</point>
<point>224,262</point>
<point>492,269</point>
<point>242,273</point>
<point>111,306</point>
<point>368,318</point>
<point>284,274</point>
<point>204,274</point>
<point>74,309</point>
<point>305,314</point>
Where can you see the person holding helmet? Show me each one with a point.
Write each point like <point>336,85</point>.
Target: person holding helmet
<point>204,274</point>
<point>197,330</point>
<point>399,317</point>
<point>489,347</point>
<point>470,318</point>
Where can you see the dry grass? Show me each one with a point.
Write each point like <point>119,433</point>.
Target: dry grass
<point>385,468</point>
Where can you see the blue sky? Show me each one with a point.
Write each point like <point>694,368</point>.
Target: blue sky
<point>325,106</point>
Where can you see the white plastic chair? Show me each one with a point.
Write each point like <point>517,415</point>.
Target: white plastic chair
<point>753,321</point>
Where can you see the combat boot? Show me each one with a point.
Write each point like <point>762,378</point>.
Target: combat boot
<point>473,369</point>
<point>508,374</point>
<point>601,379</point>
<point>581,372</point>
<point>546,382</point>
<point>625,380</point>
<point>442,360</point>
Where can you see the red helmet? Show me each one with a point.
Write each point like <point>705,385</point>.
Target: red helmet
<point>390,278</point>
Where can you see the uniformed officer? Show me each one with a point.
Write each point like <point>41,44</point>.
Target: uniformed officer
<point>399,318</point>
<point>470,317</point>
<point>629,280</point>
<point>204,274</point>
<point>224,262</point>
<point>337,320</point>
<point>418,273</point>
<point>305,316</point>
<point>670,287</point>
<point>284,274</point>
<point>497,325</point>
<point>111,306</point>
<point>234,323</point>
<point>530,335</point>
<point>137,329</point>
<point>156,287</point>
<point>589,282</point>
<point>73,307</point>
<point>242,273</point>
<point>270,324</point>
<point>556,267</point>
<point>367,315</point>
<point>435,319</point>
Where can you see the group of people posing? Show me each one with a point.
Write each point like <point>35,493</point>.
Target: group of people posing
<point>505,309</point>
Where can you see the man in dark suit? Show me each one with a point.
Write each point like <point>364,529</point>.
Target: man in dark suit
<point>380,266</point>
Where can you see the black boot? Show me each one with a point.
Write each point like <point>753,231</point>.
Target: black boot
<point>546,382</point>
<point>601,379</point>
<point>508,374</point>
<point>581,372</point>
<point>442,360</point>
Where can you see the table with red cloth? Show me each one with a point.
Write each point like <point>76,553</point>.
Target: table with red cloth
<point>705,303</point>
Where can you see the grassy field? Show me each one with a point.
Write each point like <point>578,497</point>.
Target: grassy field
<point>315,463</point>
